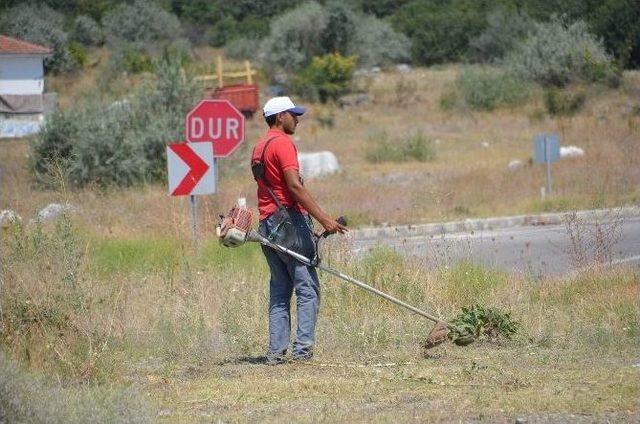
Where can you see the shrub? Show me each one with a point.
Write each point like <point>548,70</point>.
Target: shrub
<point>87,31</point>
<point>487,89</point>
<point>440,31</point>
<point>142,21</point>
<point>413,147</point>
<point>138,32</point>
<point>563,102</point>
<point>376,43</point>
<point>326,78</point>
<point>132,57</point>
<point>119,143</point>
<point>504,30</point>
<point>242,48</point>
<point>295,38</point>
<point>312,30</point>
<point>40,25</point>
<point>78,53</point>
<point>340,29</point>
<point>616,21</point>
<point>557,53</point>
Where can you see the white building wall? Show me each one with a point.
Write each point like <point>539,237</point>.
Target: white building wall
<point>21,74</point>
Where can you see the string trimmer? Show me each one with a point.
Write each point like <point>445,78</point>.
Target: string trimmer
<point>235,229</point>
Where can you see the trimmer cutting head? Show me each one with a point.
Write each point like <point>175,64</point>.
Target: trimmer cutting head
<point>437,335</point>
<point>442,331</point>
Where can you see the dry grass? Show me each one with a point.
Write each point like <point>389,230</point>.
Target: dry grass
<point>190,331</point>
<point>115,298</point>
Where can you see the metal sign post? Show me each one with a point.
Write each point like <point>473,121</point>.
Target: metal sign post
<point>194,221</point>
<point>546,150</point>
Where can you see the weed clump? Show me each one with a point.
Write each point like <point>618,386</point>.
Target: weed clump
<point>412,147</point>
<point>563,103</point>
<point>486,89</point>
<point>480,323</point>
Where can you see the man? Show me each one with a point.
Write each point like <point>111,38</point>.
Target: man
<point>282,179</point>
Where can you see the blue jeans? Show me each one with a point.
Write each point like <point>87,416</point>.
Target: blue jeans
<point>289,275</point>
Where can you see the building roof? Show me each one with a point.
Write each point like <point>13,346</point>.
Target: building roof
<point>10,45</point>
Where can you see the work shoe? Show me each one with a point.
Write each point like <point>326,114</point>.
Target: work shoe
<point>276,359</point>
<point>303,357</point>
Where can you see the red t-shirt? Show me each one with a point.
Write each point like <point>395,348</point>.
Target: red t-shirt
<point>281,155</point>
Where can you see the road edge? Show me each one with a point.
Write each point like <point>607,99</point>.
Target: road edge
<point>487,224</point>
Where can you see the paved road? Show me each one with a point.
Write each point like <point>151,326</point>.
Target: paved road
<point>532,250</point>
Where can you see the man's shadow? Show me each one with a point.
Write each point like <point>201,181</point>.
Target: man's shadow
<point>251,360</point>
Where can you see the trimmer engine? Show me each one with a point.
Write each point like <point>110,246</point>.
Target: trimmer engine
<point>232,230</point>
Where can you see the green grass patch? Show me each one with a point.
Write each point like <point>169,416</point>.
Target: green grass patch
<point>213,255</point>
<point>485,89</point>
<point>466,283</point>
<point>28,398</point>
<point>554,204</point>
<point>139,255</point>
<point>413,147</point>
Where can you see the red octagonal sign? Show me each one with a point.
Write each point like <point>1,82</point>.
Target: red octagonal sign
<point>217,121</point>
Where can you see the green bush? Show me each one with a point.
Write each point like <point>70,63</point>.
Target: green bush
<point>340,29</point>
<point>412,147</point>
<point>242,48</point>
<point>78,53</point>
<point>295,38</point>
<point>557,53</point>
<point>132,58</point>
<point>138,32</point>
<point>505,28</point>
<point>117,143</point>
<point>312,30</point>
<point>326,78</point>
<point>375,43</point>
<point>142,21</point>
<point>87,31</point>
<point>616,21</point>
<point>487,89</point>
<point>440,31</point>
<point>40,25</point>
<point>563,102</point>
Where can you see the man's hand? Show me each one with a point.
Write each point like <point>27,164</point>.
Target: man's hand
<point>332,226</point>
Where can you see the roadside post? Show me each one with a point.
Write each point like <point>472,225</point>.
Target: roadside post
<point>213,129</point>
<point>546,148</point>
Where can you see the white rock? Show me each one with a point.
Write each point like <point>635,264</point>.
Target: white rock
<point>375,70</point>
<point>8,217</point>
<point>571,152</point>
<point>485,144</point>
<point>437,141</point>
<point>403,67</point>
<point>514,164</point>
<point>53,210</point>
<point>317,164</point>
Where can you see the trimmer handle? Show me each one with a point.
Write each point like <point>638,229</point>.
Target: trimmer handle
<point>340,220</point>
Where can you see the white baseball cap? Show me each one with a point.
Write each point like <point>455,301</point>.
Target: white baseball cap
<point>281,104</point>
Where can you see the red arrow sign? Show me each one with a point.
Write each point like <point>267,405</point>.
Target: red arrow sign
<point>197,169</point>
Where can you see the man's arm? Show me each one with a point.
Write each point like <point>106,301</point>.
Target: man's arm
<point>302,196</point>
